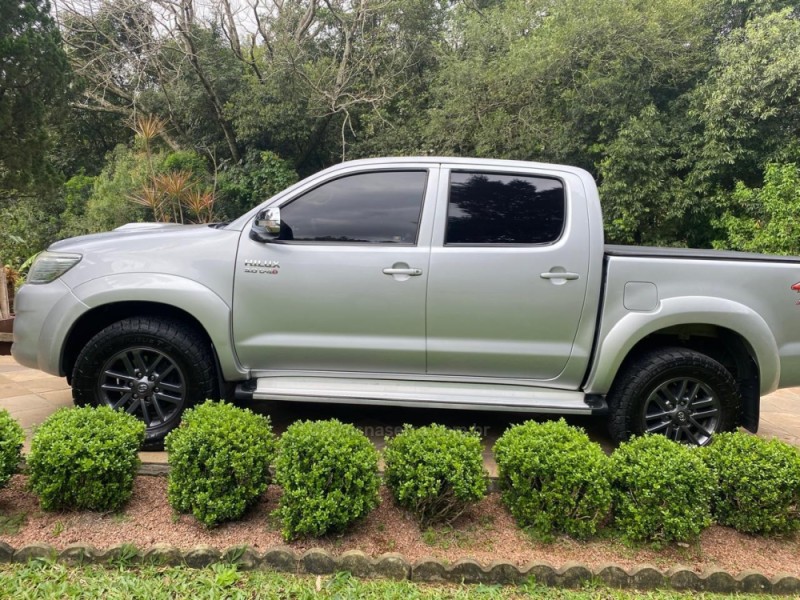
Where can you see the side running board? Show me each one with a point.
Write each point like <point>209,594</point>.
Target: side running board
<point>423,394</point>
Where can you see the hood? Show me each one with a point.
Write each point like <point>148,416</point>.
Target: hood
<point>148,226</point>
<point>129,232</point>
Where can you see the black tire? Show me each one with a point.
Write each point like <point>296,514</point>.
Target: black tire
<point>678,392</point>
<point>151,367</point>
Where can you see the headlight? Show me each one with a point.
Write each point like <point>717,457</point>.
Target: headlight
<point>51,265</point>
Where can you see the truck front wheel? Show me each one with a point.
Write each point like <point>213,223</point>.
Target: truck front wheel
<point>680,393</point>
<point>150,367</point>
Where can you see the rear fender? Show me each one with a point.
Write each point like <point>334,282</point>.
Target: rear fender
<point>613,347</point>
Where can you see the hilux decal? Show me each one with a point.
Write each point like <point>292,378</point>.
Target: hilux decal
<point>263,267</point>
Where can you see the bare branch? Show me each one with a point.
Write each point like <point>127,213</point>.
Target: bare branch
<point>230,29</point>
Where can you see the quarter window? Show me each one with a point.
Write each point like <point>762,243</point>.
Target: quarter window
<point>493,208</point>
<point>379,207</point>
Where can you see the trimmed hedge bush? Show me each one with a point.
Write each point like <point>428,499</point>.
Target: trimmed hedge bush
<point>11,438</point>
<point>329,474</point>
<point>219,461</point>
<point>554,479</point>
<point>435,472</point>
<point>662,490</point>
<point>85,458</point>
<point>759,483</point>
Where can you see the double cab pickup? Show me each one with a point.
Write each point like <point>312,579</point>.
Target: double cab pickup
<point>422,282</point>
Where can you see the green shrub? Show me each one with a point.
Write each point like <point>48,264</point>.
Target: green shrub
<point>329,474</point>
<point>435,472</point>
<point>242,186</point>
<point>662,490</point>
<point>85,458</point>
<point>219,461</point>
<point>554,479</point>
<point>11,438</point>
<point>759,483</point>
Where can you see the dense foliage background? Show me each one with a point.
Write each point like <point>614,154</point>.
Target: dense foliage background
<point>686,111</point>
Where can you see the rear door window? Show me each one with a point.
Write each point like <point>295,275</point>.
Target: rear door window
<point>498,208</point>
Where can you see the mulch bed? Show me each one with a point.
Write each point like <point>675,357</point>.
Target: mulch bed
<point>486,533</point>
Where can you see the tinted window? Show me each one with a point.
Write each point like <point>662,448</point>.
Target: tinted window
<point>368,207</point>
<point>490,208</point>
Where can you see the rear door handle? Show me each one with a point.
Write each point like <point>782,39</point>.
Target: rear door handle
<point>556,275</point>
<point>395,271</point>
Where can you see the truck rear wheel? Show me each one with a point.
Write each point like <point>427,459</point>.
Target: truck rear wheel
<point>149,367</point>
<point>680,393</point>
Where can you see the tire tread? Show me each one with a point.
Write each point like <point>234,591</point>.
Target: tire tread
<point>193,346</point>
<point>634,378</point>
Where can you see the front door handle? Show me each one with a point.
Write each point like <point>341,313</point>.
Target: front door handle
<point>407,271</point>
<point>557,275</point>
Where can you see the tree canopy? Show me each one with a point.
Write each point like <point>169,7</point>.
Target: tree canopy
<point>33,78</point>
<point>686,111</point>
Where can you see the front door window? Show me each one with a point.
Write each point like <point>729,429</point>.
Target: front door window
<point>369,208</point>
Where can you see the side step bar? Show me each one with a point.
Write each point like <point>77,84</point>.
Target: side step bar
<point>423,394</point>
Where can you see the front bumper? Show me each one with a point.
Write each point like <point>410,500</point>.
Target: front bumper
<point>44,315</point>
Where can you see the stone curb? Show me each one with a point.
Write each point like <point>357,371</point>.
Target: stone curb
<point>317,561</point>
<point>150,469</point>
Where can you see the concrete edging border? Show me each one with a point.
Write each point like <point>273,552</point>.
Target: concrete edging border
<point>151,469</point>
<point>317,561</point>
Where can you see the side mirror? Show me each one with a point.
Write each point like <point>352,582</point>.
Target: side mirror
<point>267,226</point>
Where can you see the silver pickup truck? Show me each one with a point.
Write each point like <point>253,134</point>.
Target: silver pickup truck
<point>430,282</point>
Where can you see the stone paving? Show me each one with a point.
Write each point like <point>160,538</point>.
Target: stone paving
<point>31,396</point>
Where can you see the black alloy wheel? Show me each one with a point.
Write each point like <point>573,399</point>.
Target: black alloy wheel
<point>684,410</point>
<point>144,382</point>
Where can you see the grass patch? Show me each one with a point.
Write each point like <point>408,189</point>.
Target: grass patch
<point>46,579</point>
<point>11,524</point>
<point>120,517</point>
<point>471,537</point>
<point>58,528</point>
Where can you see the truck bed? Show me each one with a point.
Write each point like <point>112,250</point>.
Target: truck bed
<point>750,295</point>
<point>693,253</point>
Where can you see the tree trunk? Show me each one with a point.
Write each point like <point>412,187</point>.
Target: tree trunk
<point>5,305</point>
